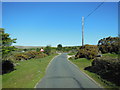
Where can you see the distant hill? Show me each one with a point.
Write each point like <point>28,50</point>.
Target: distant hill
<point>28,47</point>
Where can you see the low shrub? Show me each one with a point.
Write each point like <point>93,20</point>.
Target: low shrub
<point>31,54</point>
<point>21,56</point>
<point>25,56</point>
<point>109,45</point>
<point>87,51</point>
<point>40,55</point>
<point>47,50</point>
<point>107,67</point>
<point>7,66</point>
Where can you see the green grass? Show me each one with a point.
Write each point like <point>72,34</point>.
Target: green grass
<point>72,53</point>
<point>82,63</point>
<point>0,82</point>
<point>111,55</point>
<point>27,73</point>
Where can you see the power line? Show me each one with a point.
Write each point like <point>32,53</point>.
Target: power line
<point>94,10</point>
<point>83,19</point>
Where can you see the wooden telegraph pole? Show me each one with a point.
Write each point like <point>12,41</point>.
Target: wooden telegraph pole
<point>82,31</point>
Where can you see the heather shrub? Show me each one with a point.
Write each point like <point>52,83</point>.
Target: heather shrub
<point>107,67</point>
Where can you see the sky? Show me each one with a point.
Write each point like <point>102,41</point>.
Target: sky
<point>53,23</point>
<point>60,0</point>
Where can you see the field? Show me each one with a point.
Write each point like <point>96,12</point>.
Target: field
<point>27,73</point>
<point>82,63</point>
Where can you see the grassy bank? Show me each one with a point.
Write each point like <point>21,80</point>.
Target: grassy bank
<point>0,82</point>
<point>82,63</point>
<point>111,55</point>
<point>27,73</point>
<point>72,53</point>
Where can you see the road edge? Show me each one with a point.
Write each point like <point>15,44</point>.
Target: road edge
<point>86,75</point>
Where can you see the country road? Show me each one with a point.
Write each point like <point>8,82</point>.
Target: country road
<point>63,74</point>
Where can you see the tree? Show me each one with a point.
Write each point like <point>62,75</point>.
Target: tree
<point>47,50</point>
<point>59,47</point>
<point>37,50</point>
<point>6,42</point>
<point>6,48</point>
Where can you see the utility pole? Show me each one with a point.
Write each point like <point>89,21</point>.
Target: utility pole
<point>82,31</point>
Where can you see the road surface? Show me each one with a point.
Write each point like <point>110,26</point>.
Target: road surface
<point>63,74</point>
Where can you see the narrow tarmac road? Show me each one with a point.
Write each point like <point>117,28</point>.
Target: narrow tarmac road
<point>62,74</point>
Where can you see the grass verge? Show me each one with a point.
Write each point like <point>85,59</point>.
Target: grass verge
<point>27,73</point>
<point>72,53</point>
<point>111,55</point>
<point>0,82</point>
<point>82,63</point>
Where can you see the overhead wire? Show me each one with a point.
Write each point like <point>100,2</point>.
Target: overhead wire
<point>95,9</point>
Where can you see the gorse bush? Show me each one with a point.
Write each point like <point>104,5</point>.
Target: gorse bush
<point>28,55</point>
<point>21,56</point>
<point>31,54</point>
<point>107,67</point>
<point>87,51</point>
<point>109,45</point>
<point>40,55</point>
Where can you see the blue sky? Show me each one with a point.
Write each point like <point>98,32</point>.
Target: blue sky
<point>49,23</point>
